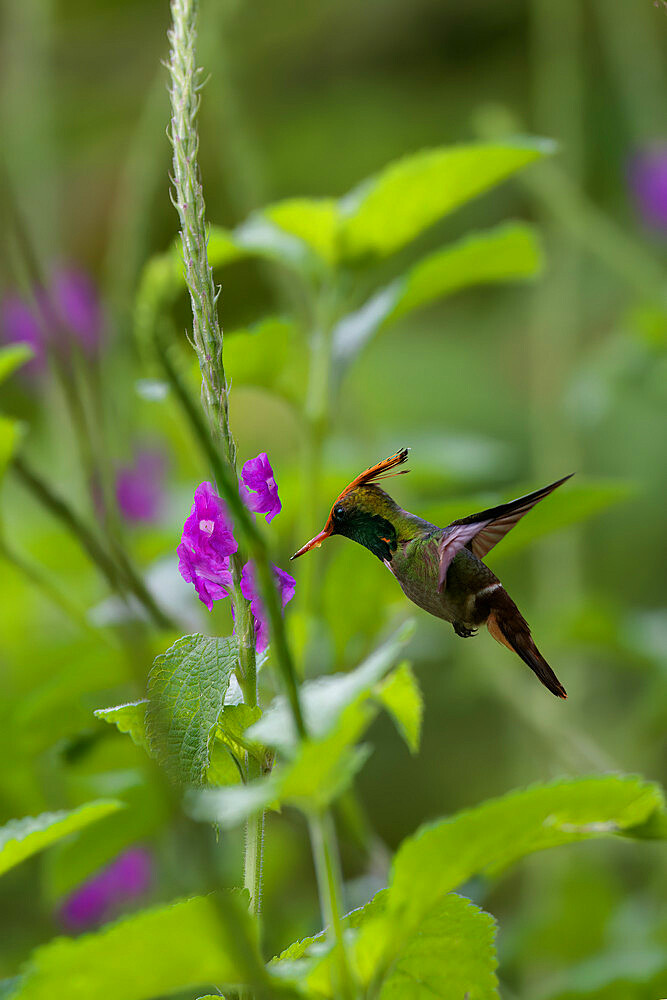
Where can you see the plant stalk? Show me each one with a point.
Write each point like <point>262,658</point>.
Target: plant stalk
<point>188,199</point>
<point>116,579</point>
<point>254,539</point>
<point>329,881</point>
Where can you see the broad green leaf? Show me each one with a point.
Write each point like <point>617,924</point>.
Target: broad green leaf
<point>269,354</point>
<point>324,768</point>
<point>222,247</point>
<point>313,220</point>
<point>228,807</point>
<point>224,767</point>
<point>507,253</point>
<point>11,432</point>
<point>231,729</point>
<point>221,770</point>
<point>484,840</point>
<point>487,839</point>
<point>324,700</point>
<point>13,356</point>
<point>129,718</point>
<point>20,838</point>
<point>389,210</point>
<point>319,771</point>
<point>450,956</point>
<point>261,236</point>
<point>401,697</point>
<point>186,692</point>
<point>186,945</point>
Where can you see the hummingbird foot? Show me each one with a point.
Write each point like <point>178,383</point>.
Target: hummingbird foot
<point>464,632</point>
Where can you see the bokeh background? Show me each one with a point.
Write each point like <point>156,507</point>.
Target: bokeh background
<point>496,391</point>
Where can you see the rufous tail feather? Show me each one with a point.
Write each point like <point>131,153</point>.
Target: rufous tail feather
<point>507,626</point>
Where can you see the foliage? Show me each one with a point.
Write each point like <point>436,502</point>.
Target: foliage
<point>22,837</point>
<point>353,324</point>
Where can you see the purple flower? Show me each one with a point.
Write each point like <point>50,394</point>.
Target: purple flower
<point>206,546</point>
<point>286,586</point>
<point>648,183</point>
<point>20,326</point>
<point>78,307</point>
<point>257,476</point>
<point>125,879</point>
<point>140,486</point>
<point>70,306</point>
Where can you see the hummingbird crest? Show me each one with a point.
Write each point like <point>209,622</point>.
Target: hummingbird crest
<point>441,569</point>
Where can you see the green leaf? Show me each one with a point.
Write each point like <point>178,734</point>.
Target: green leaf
<point>188,944</point>
<point>337,711</point>
<point>484,840</point>
<point>313,220</point>
<point>11,432</point>
<point>324,700</point>
<point>324,768</point>
<point>260,236</point>
<point>487,839</point>
<point>228,736</point>
<point>268,354</point>
<point>186,692</point>
<point>129,718</point>
<point>230,806</point>
<point>318,774</point>
<point>451,955</point>
<point>401,697</point>
<point>13,356</point>
<point>232,725</point>
<point>20,838</point>
<point>320,770</point>
<point>388,211</point>
<point>508,252</point>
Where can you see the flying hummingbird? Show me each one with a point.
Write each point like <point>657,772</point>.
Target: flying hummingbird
<point>441,569</point>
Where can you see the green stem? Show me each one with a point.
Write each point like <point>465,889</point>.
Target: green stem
<point>253,537</point>
<point>116,579</point>
<point>207,339</point>
<point>327,868</point>
<point>188,199</point>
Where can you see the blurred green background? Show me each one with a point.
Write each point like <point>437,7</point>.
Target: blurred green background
<point>496,390</point>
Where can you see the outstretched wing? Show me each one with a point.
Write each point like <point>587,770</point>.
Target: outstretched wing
<point>480,532</point>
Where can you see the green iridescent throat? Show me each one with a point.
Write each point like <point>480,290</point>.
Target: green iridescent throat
<point>373,531</point>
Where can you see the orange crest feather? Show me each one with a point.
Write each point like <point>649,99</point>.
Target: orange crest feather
<point>377,472</point>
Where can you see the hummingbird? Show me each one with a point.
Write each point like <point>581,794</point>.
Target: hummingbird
<point>441,569</point>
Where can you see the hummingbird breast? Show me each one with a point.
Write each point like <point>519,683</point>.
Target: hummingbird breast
<point>416,566</point>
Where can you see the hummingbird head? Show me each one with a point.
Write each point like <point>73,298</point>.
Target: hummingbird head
<point>363,512</point>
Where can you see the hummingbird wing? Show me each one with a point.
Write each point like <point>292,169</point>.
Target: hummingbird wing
<point>480,532</point>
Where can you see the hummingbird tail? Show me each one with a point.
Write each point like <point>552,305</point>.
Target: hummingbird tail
<point>507,626</point>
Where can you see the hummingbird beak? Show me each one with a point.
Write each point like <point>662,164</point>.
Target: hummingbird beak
<point>314,543</point>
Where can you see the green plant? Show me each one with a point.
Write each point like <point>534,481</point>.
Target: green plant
<point>231,762</point>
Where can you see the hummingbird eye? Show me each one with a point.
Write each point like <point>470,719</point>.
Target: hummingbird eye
<point>338,512</point>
